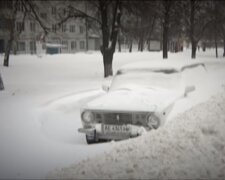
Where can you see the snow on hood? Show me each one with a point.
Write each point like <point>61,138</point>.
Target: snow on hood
<point>134,99</point>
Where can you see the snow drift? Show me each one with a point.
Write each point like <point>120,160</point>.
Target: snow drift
<point>190,146</point>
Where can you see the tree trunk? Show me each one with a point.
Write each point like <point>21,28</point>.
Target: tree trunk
<point>119,44</point>
<point>149,43</point>
<point>9,44</point>
<point>139,45</point>
<point>108,49</point>
<point>7,52</point>
<point>215,26</point>
<point>107,61</point>
<point>193,50</point>
<point>192,31</point>
<point>150,32</point>
<point>216,46</point>
<point>141,42</point>
<point>1,83</point>
<point>11,35</point>
<point>142,45</point>
<point>223,47</point>
<point>165,42</point>
<point>130,46</point>
<point>167,6</point>
<point>108,69</point>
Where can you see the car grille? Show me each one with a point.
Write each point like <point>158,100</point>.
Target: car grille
<point>121,118</point>
<point>118,118</point>
<point>114,118</point>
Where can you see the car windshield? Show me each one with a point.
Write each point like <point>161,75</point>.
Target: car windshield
<point>170,80</point>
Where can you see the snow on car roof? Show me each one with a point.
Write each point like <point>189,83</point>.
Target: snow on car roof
<point>165,66</point>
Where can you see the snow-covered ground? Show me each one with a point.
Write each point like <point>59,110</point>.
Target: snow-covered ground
<point>192,146</point>
<point>39,108</point>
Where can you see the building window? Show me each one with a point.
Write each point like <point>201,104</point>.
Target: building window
<point>64,11</point>
<point>32,46</point>
<point>32,26</point>
<point>73,45</point>
<point>81,44</point>
<point>81,29</point>
<point>5,23</point>
<point>53,10</point>
<point>54,28</point>
<point>6,4</point>
<point>65,44</point>
<point>20,26</point>
<point>43,15</point>
<point>64,28</point>
<point>21,46</point>
<point>72,28</point>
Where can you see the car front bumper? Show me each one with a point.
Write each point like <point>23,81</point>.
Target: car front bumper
<point>100,134</point>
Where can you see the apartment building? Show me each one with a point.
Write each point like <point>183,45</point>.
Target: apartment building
<point>69,37</point>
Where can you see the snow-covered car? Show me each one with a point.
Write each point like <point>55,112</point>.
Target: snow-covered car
<point>139,99</point>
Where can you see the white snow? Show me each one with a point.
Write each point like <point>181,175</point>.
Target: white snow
<point>176,64</point>
<point>192,146</point>
<point>39,110</point>
<point>134,99</point>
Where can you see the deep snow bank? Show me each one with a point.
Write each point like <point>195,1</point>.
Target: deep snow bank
<point>190,146</point>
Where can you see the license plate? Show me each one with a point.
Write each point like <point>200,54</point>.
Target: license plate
<point>113,129</point>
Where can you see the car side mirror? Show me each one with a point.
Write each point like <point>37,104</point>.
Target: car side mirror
<point>107,83</point>
<point>188,89</point>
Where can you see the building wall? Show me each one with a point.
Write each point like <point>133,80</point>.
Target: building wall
<point>71,35</point>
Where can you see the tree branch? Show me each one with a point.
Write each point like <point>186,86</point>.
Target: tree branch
<point>37,18</point>
<point>74,12</point>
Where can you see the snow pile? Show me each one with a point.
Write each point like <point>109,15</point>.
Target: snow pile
<point>40,107</point>
<point>190,146</point>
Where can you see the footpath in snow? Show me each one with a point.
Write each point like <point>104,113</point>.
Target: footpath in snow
<point>190,146</point>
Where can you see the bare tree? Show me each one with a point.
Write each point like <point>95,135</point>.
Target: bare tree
<point>220,11</point>
<point>215,23</point>
<point>166,10</point>
<point>129,25</point>
<point>217,14</point>
<point>11,26</point>
<point>141,18</point>
<point>109,39</point>
<point>223,33</point>
<point>30,9</point>
<point>107,15</point>
<point>196,21</point>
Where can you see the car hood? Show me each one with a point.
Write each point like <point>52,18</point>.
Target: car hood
<point>134,99</point>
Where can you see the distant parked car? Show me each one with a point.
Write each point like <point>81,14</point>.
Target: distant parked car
<point>139,98</point>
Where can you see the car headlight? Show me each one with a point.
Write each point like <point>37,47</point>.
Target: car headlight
<point>87,116</point>
<point>153,121</point>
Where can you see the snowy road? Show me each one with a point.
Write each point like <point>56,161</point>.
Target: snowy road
<point>39,109</point>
